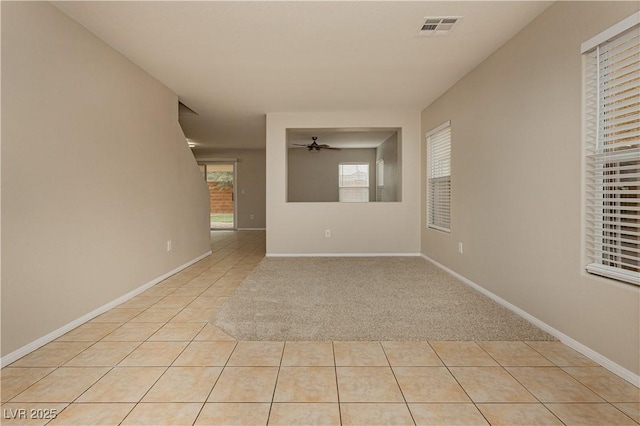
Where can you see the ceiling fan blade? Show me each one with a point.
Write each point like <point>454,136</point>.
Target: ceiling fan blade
<point>300,144</point>
<point>330,147</point>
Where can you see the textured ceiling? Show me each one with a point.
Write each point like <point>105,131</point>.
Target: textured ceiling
<point>234,61</point>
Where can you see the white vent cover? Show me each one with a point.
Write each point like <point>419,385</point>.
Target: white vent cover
<point>438,25</point>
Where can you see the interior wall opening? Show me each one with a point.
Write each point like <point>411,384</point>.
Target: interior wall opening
<point>316,160</point>
<point>221,178</point>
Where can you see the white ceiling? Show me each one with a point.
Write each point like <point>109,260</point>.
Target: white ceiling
<point>234,61</point>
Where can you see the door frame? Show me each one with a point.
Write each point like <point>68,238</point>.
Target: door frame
<point>234,163</point>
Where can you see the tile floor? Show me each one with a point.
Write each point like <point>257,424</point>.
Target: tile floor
<point>155,360</point>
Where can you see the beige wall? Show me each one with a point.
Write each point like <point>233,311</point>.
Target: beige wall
<point>96,176</point>
<point>376,228</point>
<point>251,183</point>
<point>516,183</point>
<point>312,176</point>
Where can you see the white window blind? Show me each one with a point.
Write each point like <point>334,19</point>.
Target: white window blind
<point>612,147</point>
<point>353,182</point>
<point>439,178</point>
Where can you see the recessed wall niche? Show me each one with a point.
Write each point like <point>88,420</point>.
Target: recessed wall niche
<point>344,165</point>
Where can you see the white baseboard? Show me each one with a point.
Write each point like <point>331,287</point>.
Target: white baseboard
<point>343,255</point>
<point>629,376</point>
<point>19,353</point>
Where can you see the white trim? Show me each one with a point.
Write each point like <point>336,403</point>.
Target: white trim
<point>207,160</point>
<point>610,32</point>
<point>610,365</point>
<point>343,255</point>
<point>19,353</point>
<point>438,228</point>
<point>437,129</point>
<point>613,273</point>
<point>251,229</point>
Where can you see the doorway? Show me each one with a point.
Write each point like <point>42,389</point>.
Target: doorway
<point>220,178</point>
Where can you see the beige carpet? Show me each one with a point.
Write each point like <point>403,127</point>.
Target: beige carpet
<point>385,298</point>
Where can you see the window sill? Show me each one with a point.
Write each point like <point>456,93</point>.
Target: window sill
<point>439,228</point>
<point>614,273</point>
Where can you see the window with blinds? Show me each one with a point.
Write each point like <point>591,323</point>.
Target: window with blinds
<point>612,150</point>
<point>439,178</point>
<point>353,182</point>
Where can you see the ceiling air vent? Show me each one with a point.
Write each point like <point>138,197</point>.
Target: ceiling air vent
<point>438,25</point>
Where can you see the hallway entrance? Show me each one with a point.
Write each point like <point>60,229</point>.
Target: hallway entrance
<point>220,179</point>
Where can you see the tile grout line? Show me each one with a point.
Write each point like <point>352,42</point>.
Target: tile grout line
<point>406,403</point>
<point>235,345</point>
<point>156,381</point>
<point>163,373</point>
<point>230,354</point>
<point>109,369</point>
<point>335,371</point>
<point>522,384</point>
<point>275,385</point>
<point>604,401</point>
<point>460,384</point>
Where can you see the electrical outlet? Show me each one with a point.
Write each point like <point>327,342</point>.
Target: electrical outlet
<point>252,217</point>
<point>169,245</point>
<point>460,248</point>
<point>327,233</point>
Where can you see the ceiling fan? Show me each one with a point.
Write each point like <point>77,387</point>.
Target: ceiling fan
<point>314,146</point>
